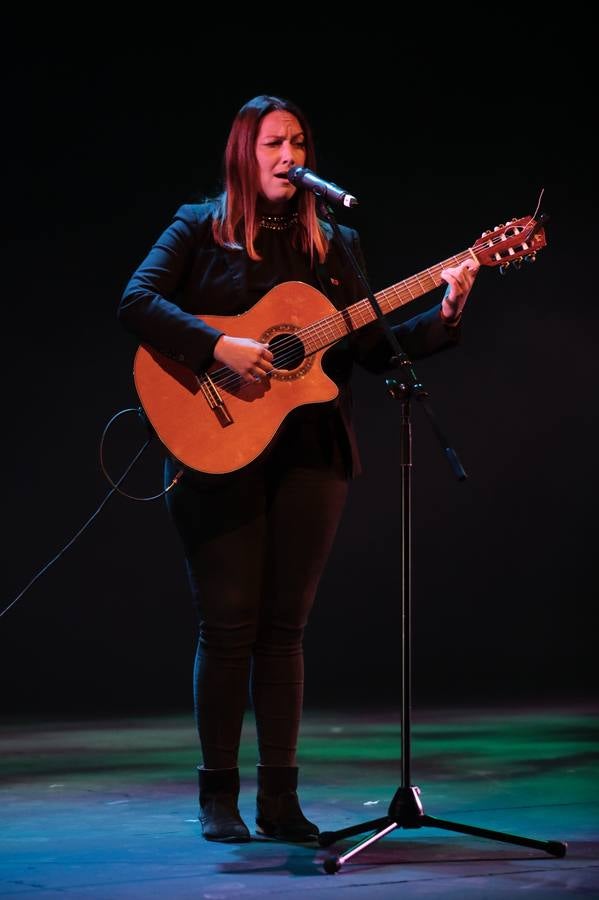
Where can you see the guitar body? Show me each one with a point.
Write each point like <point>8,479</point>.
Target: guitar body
<point>204,439</point>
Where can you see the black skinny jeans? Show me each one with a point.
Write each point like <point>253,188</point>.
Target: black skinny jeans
<point>256,544</point>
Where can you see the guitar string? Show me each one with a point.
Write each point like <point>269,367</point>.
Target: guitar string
<point>492,239</point>
<point>335,323</point>
<point>230,380</point>
<point>210,393</point>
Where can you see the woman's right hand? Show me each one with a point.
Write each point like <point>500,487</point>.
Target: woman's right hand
<point>250,359</point>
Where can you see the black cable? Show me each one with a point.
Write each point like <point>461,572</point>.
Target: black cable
<point>115,488</point>
<point>141,414</point>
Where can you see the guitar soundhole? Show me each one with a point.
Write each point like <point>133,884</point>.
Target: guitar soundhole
<point>288,351</point>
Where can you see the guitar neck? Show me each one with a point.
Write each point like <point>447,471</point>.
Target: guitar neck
<point>336,326</point>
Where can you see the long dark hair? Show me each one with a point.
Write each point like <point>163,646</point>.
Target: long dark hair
<point>234,223</point>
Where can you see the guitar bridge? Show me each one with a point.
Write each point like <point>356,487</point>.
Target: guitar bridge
<point>222,414</point>
<point>215,401</point>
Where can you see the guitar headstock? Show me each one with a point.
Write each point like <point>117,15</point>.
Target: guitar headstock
<point>516,240</point>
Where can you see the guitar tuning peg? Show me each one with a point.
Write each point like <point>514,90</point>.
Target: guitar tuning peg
<point>517,264</point>
<point>504,268</point>
<point>499,227</point>
<point>485,233</point>
<point>532,257</point>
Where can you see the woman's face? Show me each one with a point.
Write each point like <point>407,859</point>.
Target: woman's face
<point>280,144</point>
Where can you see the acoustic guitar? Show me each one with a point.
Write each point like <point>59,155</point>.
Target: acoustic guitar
<point>215,423</point>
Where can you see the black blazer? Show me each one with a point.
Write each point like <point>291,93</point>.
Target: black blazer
<point>186,274</point>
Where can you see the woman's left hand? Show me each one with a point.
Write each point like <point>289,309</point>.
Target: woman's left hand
<point>459,284</point>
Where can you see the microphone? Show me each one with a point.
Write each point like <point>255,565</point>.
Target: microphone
<point>305,178</point>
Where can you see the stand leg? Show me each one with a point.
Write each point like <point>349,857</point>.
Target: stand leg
<point>554,848</point>
<point>334,863</point>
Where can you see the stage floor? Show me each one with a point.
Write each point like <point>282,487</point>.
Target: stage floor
<point>107,808</point>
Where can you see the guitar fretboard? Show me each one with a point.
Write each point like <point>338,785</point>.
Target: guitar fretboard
<point>336,326</point>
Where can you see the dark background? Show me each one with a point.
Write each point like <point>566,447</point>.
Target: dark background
<point>104,146</point>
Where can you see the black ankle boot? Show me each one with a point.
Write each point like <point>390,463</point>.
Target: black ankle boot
<point>278,813</point>
<point>219,815</point>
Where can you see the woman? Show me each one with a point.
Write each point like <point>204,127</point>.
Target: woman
<point>256,541</point>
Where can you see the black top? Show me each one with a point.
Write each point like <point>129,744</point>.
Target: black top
<point>281,261</point>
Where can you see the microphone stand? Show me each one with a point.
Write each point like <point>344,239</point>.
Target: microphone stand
<point>406,809</point>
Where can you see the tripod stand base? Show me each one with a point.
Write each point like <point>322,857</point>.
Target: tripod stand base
<point>406,811</point>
